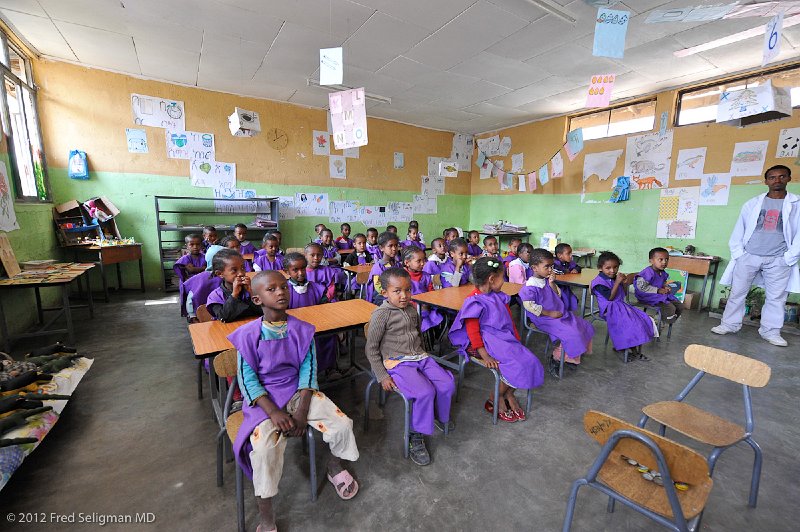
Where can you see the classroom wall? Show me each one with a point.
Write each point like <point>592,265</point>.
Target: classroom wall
<point>627,228</point>
<point>89,109</point>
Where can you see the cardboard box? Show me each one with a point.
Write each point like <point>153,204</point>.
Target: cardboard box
<point>691,300</point>
<point>104,204</point>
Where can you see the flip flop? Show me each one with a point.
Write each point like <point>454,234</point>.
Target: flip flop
<point>489,406</point>
<point>507,416</point>
<point>519,414</point>
<point>341,481</point>
<point>259,529</point>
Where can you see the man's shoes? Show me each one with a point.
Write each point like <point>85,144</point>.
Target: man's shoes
<point>721,329</point>
<point>776,340</point>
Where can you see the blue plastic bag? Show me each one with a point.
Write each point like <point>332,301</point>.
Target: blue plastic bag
<point>77,167</point>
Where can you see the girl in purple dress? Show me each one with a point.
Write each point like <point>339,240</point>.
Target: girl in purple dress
<point>330,253</point>
<point>413,239</point>
<point>542,299</point>
<point>491,248</point>
<point>435,261</point>
<point>240,232</point>
<point>473,244</point>
<point>389,244</point>
<point>195,291</point>
<point>318,230</point>
<point>358,257</point>
<point>316,272</point>
<point>449,234</point>
<point>194,261</point>
<point>344,241</point>
<point>484,328</point>
<point>269,260</point>
<point>277,234</point>
<point>564,264</point>
<point>231,242</point>
<point>372,243</point>
<point>628,327</point>
<point>413,263</point>
<point>231,301</point>
<point>651,286</point>
<point>455,271</point>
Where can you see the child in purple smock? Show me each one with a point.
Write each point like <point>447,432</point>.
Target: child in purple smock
<point>317,273</point>
<point>269,260</point>
<point>511,253</point>
<point>330,253</point>
<point>358,257</point>
<point>372,243</point>
<point>484,328</point>
<point>542,300</point>
<point>628,327</point>
<point>277,374</point>
<point>413,239</point>
<point>195,290</point>
<point>210,237</point>
<point>398,359</point>
<point>415,225</point>
<point>563,264</point>
<point>651,286</point>
<point>389,244</point>
<point>449,234</point>
<point>473,244</point>
<point>318,229</point>
<point>491,248</point>
<point>421,282</point>
<point>455,271</point>
<point>344,241</point>
<point>193,262</point>
<point>231,301</point>
<point>392,229</point>
<point>231,242</point>
<point>519,269</point>
<point>435,261</point>
<point>277,234</point>
<point>240,232</point>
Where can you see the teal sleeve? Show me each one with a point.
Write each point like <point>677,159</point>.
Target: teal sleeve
<point>249,384</point>
<point>308,370</point>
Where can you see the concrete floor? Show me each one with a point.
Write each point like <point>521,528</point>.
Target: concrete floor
<point>135,438</point>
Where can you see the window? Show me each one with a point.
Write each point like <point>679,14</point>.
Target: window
<point>22,139</point>
<point>622,120</point>
<point>699,105</point>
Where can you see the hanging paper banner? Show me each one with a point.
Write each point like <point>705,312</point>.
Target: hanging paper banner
<point>544,178</point>
<point>558,164</point>
<point>609,33</point>
<point>331,66</point>
<point>600,90</point>
<point>348,118</point>
<point>532,181</point>
<point>574,143</point>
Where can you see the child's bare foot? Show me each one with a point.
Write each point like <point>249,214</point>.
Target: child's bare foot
<point>266,514</point>
<point>511,400</point>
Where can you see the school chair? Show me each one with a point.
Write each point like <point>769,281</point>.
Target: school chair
<point>362,278</point>
<point>225,366</point>
<point>203,314</point>
<point>594,314</point>
<point>630,297</point>
<point>586,254</point>
<point>705,427</point>
<point>528,325</point>
<point>462,362</point>
<point>657,477</point>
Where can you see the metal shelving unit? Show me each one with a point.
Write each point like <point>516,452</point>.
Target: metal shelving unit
<point>177,216</point>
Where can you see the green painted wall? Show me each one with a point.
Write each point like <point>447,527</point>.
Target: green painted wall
<point>628,228</point>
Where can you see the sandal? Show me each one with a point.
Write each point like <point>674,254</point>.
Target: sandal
<point>489,406</point>
<point>341,482</point>
<point>259,529</point>
<point>507,416</point>
<point>519,414</point>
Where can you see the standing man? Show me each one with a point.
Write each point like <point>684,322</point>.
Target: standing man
<point>765,248</point>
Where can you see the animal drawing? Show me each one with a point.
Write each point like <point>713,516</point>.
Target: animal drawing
<point>643,146</point>
<point>712,187</point>
<point>748,156</point>
<point>645,167</point>
<point>691,162</point>
<point>679,229</point>
<point>647,182</point>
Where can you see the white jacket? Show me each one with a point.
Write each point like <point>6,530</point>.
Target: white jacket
<point>745,226</point>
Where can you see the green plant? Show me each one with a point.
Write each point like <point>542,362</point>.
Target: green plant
<point>755,297</point>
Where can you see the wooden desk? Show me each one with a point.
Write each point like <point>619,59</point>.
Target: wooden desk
<point>580,280</point>
<point>249,256</point>
<point>107,255</point>
<point>453,297</point>
<point>253,274</point>
<point>358,268</point>
<point>585,255</point>
<point>345,252</point>
<point>521,234</point>
<point>698,266</point>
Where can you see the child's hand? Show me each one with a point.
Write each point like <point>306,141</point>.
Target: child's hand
<point>664,290</point>
<point>388,384</point>
<point>239,284</point>
<point>552,278</point>
<point>300,421</point>
<point>574,271</point>
<point>620,278</point>
<point>282,421</point>
<point>490,362</point>
<point>458,263</point>
<point>552,313</point>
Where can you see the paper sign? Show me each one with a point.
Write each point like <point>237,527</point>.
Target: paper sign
<point>543,175</point>
<point>331,66</point>
<point>490,145</point>
<point>448,169</point>
<point>433,165</point>
<point>532,181</point>
<point>158,112</point>
<point>772,39</point>
<point>609,33</point>
<point>505,146</point>
<point>432,185</point>
<point>399,211</point>
<point>286,210</point>
<point>348,118</point>
<point>221,195</point>
<point>600,88</point>
<point>190,145</point>
<point>688,14</point>
<point>748,158</point>
<point>509,181</point>
<point>648,159</point>
<point>750,101</point>
<point>423,204</point>
<point>574,143</point>
<point>480,160</point>
<point>714,189</point>
<point>461,151</point>
<point>486,169</point>
<point>517,162</point>
<point>690,163</point>
<point>788,142</point>
<point>137,140</point>
<point>351,153</point>
<point>557,163</point>
<point>320,143</point>
<point>677,212</point>
<point>212,174</point>
<point>399,160</point>
<point>337,165</point>
<point>601,164</point>
<point>8,217</point>
<point>310,204</point>
<point>522,179</point>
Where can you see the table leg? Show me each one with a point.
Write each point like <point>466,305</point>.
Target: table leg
<point>200,378</point>
<point>119,277</point>
<point>583,301</point>
<point>713,283</point>
<point>89,300</point>
<point>4,330</point>
<point>67,313</point>
<point>104,278</point>
<point>703,293</point>
<point>39,311</point>
<point>141,273</point>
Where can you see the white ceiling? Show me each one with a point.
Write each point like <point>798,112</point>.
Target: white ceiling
<point>458,65</point>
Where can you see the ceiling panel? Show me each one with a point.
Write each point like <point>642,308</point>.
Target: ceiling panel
<point>171,64</point>
<point>655,59</point>
<point>101,48</point>
<point>428,14</point>
<point>103,14</point>
<point>500,70</point>
<point>380,40</point>
<point>536,91</point>
<point>30,7</point>
<point>471,94</point>
<point>296,49</point>
<point>576,64</point>
<point>41,33</point>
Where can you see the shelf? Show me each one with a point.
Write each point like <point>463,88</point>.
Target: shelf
<point>189,228</point>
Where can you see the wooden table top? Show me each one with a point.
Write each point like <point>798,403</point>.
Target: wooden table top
<point>583,279</point>
<point>454,296</point>
<point>359,268</point>
<point>345,252</point>
<point>95,247</point>
<point>210,338</point>
<point>55,274</point>
<point>248,256</point>
<point>253,274</point>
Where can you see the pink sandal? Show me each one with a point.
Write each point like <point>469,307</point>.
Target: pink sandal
<point>341,482</point>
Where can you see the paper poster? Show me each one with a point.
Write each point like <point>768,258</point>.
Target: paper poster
<point>601,164</point>
<point>600,87</point>
<point>648,159</point>
<point>505,146</point>
<point>432,185</point>
<point>714,189</point>
<point>320,143</point>
<point>461,151</point>
<point>8,216</point>
<point>486,169</point>
<point>772,39</point>
<point>574,144</point>
<point>311,204</point>
<point>190,145</point>
<point>448,169</point>
<point>750,101</point>
<point>609,33</point>
<point>689,14</point>
<point>372,215</point>
<point>543,175</point>
<point>423,204</point>
<point>557,162</point>
<point>532,181</point>
<point>342,211</point>
<point>690,163</point>
<point>509,181</point>
<point>765,9</point>
<point>399,211</point>
<point>221,195</point>
<point>433,165</point>
<point>212,174</point>
<point>337,164</point>
<point>517,162</point>
<point>399,160</point>
<point>522,179</point>
<point>331,66</point>
<point>136,139</point>
<point>286,210</point>
<point>788,142</point>
<point>677,212</point>
<point>748,158</point>
<point>348,118</point>
<point>677,280</point>
<point>490,145</point>
<point>158,112</point>
<point>351,153</point>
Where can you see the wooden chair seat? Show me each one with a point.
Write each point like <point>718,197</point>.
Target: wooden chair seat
<point>695,423</point>
<point>362,277</point>
<point>233,424</point>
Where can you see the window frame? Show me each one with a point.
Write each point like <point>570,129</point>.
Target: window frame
<point>618,105</point>
<point>6,72</point>
<point>766,72</point>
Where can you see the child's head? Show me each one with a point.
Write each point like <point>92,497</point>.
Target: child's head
<point>513,244</point>
<point>541,262</point>
<point>326,237</point>
<point>270,244</point>
<point>228,264</point>
<point>278,235</point>
<point>414,224</point>
<point>413,233</point>
<point>388,243</point>
<point>487,274</point>
<point>360,242</point>
<point>240,232</point>
<point>490,245</point>
<point>659,259</point>
<point>413,258</point>
<point>396,287</point>
<point>564,252</point>
<point>194,244</point>
<point>345,227</point>
<point>608,263</point>
<point>391,229</point>
<point>318,228</point>
<point>314,255</point>
<point>210,234</point>
<point>269,290</point>
<point>474,237</point>
<point>439,248</point>
<point>372,236</point>
<point>451,233</point>
<point>295,265</point>
<point>524,252</point>
<point>458,249</point>
<point>230,242</point>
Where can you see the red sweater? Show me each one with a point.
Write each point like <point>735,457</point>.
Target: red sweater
<point>473,327</point>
